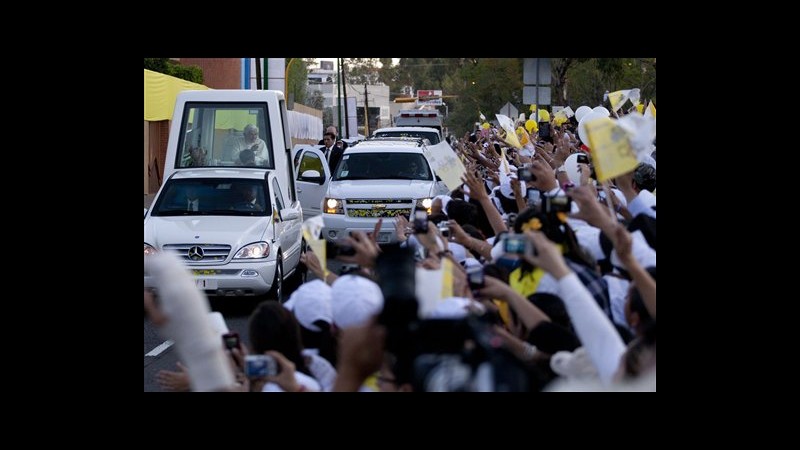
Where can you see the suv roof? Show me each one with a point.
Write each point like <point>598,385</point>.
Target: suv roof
<point>393,140</point>
<point>388,146</point>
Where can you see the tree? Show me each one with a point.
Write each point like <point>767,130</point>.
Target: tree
<point>484,85</point>
<point>297,80</point>
<point>165,66</point>
<point>361,70</point>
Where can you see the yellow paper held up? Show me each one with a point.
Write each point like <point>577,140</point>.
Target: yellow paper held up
<point>531,126</point>
<point>650,111</point>
<point>617,98</point>
<point>508,125</point>
<point>640,108</point>
<point>612,153</point>
<point>318,247</point>
<point>533,108</point>
<point>447,278</point>
<point>522,136</point>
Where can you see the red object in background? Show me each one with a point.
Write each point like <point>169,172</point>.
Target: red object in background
<point>585,148</point>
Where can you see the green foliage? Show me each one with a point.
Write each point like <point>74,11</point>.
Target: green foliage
<point>297,79</point>
<point>165,66</point>
<point>485,85</point>
<point>588,80</point>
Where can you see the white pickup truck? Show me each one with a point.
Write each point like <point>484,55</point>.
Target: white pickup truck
<point>228,205</point>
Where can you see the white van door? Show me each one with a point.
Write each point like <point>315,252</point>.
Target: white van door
<point>313,176</point>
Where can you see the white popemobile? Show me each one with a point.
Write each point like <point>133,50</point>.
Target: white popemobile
<point>228,206</point>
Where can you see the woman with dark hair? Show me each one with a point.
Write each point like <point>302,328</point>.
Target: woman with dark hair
<point>273,327</point>
<point>528,279</point>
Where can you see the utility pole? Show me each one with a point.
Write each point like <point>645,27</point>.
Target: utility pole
<point>339,93</point>
<point>346,114</point>
<point>258,73</point>
<point>366,111</point>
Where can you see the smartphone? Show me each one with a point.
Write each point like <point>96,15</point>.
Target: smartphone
<point>420,221</point>
<point>231,340</point>
<point>444,228</point>
<point>475,277</point>
<point>534,197</point>
<point>583,159</point>
<point>560,203</point>
<point>526,175</point>
<point>544,131</point>
<point>260,366</point>
<point>514,244</point>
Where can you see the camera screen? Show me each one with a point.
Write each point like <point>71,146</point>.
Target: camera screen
<point>515,245</point>
<point>420,221</point>
<point>231,342</point>
<point>259,366</point>
<point>444,229</point>
<point>475,277</point>
<point>525,174</point>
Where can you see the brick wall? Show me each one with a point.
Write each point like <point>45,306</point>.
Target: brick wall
<point>218,73</point>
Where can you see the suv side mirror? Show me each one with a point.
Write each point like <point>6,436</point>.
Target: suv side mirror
<point>289,214</point>
<point>312,176</point>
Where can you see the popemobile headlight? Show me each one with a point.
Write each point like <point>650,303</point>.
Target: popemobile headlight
<point>425,203</point>
<point>332,206</point>
<point>253,251</point>
<point>149,249</point>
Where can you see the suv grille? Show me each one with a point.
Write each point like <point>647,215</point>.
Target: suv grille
<point>211,253</point>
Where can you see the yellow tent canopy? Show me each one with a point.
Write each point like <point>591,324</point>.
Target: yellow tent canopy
<point>160,92</point>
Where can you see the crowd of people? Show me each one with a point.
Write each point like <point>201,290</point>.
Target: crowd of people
<point>547,278</point>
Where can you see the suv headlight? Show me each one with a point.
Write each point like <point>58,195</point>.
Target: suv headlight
<point>149,249</point>
<point>253,251</point>
<point>425,203</point>
<point>332,206</point>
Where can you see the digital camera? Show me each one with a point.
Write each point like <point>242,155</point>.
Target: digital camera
<point>515,244</point>
<point>444,228</point>
<point>560,203</point>
<point>260,366</point>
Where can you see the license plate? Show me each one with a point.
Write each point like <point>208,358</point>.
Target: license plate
<point>203,283</point>
<point>384,238</point>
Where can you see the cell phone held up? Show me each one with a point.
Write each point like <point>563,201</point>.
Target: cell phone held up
<point>475,277</point>
<point>260,366</point>
<point>231,340</point>
<point>420,221</point>
<point>515,244</point>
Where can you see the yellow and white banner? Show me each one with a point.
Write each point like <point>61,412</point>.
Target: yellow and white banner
<point>160,92</point>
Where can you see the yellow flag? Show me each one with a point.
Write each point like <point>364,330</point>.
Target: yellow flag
<point>447,278</point>
<point>612,153</point>
<point>508,125</point>
<point>640,108</point>
<point>618,98</point>
<point>522,135</point>
<point>504,159</point>
<point>531,126</point>
<point>533,108</point>
<point>651,110</point>
<point>318,247</point>
<point>560,118</point>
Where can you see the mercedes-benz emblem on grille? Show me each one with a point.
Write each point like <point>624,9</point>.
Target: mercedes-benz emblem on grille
<point>196,253</point>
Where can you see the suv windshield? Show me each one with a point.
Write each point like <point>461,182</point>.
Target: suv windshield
<point>429,135</point>
<point>213,197</point>
<point>383,166</point>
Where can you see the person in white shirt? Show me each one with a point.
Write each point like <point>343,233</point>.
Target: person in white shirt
<point>251,141</point>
